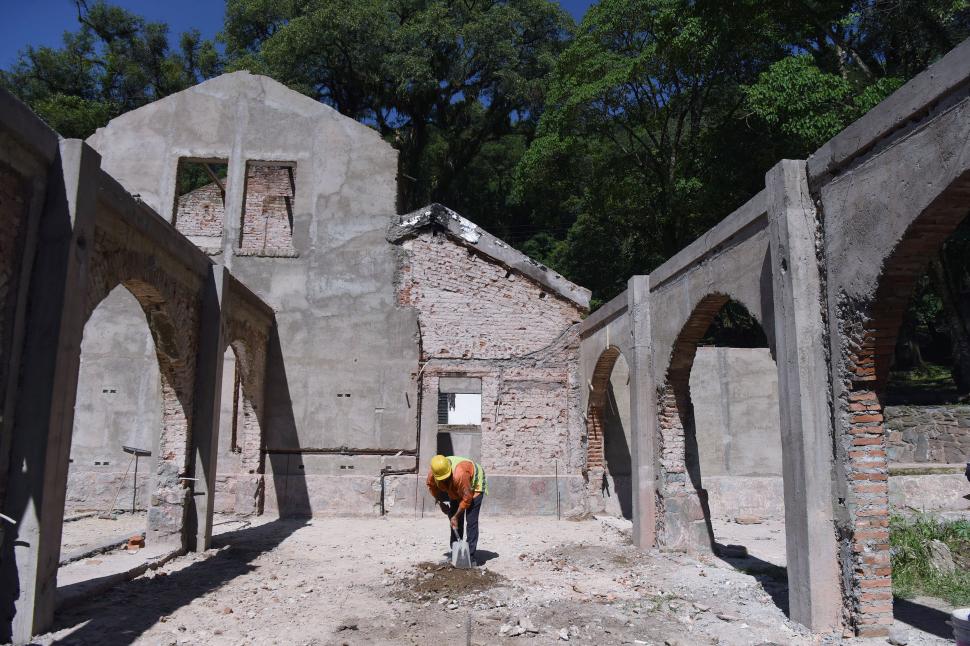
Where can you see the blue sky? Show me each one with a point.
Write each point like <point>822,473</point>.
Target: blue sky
<point>41,22</point>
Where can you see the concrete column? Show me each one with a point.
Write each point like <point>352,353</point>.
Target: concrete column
<point>205,420</point>
<point>44,414</point>
<point>643,415</point>
<point>428,443</point>
<point>803,394</point>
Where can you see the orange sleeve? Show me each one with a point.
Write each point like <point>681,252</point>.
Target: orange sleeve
<point>463,474</point>
<point>433,486</point>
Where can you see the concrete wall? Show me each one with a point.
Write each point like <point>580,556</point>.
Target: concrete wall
<point>735,397</point>
<point>341,371</point>
<point>118,403</point>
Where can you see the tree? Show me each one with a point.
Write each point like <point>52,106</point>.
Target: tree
<point>638,135</point>
<point>114,63</point>
<point>455,85</point>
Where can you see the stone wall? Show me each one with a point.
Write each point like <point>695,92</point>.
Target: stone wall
<point>939,434</point>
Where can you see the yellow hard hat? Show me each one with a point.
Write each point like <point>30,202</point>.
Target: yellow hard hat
<point>440,467</point>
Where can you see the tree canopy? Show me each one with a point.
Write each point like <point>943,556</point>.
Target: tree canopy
<point>600,149</point>
<point>115,62</point>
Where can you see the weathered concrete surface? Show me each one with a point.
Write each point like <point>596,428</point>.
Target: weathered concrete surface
<point>735,395</point>
<point>118,404</point>
<point>341,375</point>
<point>931,493</point>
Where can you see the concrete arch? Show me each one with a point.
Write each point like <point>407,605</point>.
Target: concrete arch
<point>608,449</point>
<point>684,517</point>
<point>172,312</point>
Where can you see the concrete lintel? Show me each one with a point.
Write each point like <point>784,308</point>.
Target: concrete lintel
<point>909,103</point>
<point>643,416</point>
<point>468,233</point>
<point>612,310</point>
<point>19,122</point>
<point>138,215</point>
<point>713,240</point>
<point>803,395</point>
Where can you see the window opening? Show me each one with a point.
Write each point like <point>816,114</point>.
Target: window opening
<point>200,203</point>
<point>267,218</point>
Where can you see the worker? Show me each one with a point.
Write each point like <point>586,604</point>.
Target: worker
<point>459,486</point>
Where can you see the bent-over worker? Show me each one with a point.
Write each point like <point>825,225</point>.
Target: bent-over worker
<point>459,486</point>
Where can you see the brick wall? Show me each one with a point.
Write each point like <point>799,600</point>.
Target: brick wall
<point>868,329</point>
<point>200,214</point>
<point>480,319</point>
<point>267,221</point>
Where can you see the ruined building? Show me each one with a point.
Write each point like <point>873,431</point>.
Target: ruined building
<point>229,263</point>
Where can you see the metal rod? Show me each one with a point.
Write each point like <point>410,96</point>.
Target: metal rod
<point>558,513</point>
<point>134,486</point>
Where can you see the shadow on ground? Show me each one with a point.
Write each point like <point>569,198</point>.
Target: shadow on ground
<point>773,578</point>
<point>929,620</point>
<point>146,601</point>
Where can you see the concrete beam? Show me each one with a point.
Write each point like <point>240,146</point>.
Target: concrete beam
<point>803,393</point>
<point>643,415</point>
<point>604,315</point>
<point>44,414</point>
<point>722,235</point>
<point>924,93</point>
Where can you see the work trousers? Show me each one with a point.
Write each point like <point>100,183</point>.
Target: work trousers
<point>471,518</point>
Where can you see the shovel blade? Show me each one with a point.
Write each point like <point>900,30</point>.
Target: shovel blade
<point>460,555</point>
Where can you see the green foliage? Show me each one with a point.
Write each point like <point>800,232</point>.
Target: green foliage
<point>455,86</point>
<point>114,63</point>
<point>912,573</point>
<point>809,105</point>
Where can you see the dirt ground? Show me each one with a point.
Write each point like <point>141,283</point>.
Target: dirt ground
<point>91,531</point>
<point>374,581</point>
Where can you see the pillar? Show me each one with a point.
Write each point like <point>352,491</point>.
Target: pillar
<point>643,415</point>
<point>803,392</point>
<point>44,413</point>
<point>205,421</point>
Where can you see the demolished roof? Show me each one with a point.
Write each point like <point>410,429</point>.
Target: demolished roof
<point>467,233</point>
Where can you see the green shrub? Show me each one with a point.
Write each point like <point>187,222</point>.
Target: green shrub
<point>909,541</point>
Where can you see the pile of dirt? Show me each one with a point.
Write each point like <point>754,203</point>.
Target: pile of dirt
<point>441,579</point>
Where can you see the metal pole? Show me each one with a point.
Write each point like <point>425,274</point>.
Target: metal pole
<point>134,486</point>
<point>558,513</point>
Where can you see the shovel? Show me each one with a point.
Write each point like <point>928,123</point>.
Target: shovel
<point>461,556</point>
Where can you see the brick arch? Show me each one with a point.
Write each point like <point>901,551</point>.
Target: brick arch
<point>172,310</point>
<point>595,457</point>
<point>249,347</point>
<point>683,513</point>
<point>871,330</point>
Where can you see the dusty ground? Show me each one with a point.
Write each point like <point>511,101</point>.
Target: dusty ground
<point>372,581</point>
<point>89,532</point>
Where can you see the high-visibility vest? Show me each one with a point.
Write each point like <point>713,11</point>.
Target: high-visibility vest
<point>479,483</point>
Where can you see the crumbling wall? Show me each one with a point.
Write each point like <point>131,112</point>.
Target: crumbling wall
<point>200,216</point>
<point>479,318</point>
<point>267,218</point>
